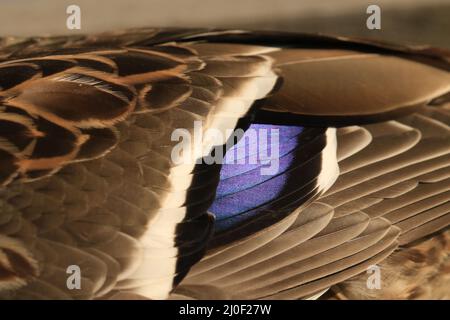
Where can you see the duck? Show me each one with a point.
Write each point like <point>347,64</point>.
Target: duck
<point>359,131</point>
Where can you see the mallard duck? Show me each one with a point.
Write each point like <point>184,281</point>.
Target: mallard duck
<point>87,177</point>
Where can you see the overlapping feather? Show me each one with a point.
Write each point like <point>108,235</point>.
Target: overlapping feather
<point>87,177</point>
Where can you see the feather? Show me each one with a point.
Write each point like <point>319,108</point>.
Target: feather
<point>87,175</point>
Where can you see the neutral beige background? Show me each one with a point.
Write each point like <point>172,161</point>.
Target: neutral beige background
<point>419,21</point>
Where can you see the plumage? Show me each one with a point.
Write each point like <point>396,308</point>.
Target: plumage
<point>88,175</point>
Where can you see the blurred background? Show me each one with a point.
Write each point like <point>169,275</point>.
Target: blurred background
<point>407,21</point>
